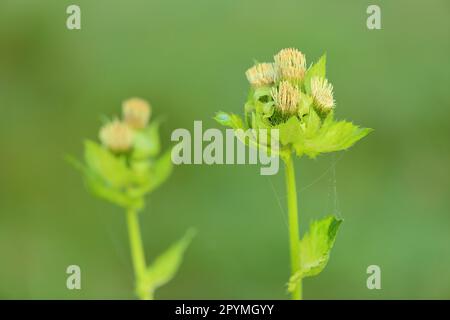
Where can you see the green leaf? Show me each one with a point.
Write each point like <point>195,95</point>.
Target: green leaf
<point>148,176</point>
<point>98,188</point>
<point>305,104</point>
<point>260,117</point>
<point>265,110</point>
<point>315,248</point>
<point>312,124</point>
<point>146,142</point>
<point>316,70</point>
<point>247,136</point>
<point>262,92</point>
<point>141,171</point>
<point>229,120</point>
<point>111,168</point>
<point>166,265</point>
<point>75,163</point>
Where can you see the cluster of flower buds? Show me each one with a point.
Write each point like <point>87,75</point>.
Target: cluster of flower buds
<point>285,76</point>
<point>290,64</point>
<point>118,135</point>
<point>286,97</point>
<point>322,93</point>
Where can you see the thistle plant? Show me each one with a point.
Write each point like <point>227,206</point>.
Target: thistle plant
<point>299,102</point>
<point>123,169</point>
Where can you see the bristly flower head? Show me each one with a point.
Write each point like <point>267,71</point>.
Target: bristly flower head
<point>116,136</point>
<point>262,74</point>
<point>286,97</point>
<point>290,64</point>
<point>322,92</point>
<point>136,112</point>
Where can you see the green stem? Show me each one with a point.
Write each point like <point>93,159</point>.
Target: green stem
<point>137,254</point>
<point>294,234</point>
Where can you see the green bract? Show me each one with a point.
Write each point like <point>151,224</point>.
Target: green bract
<point>124,179</point>
<point>126,166</point>
<point>164,268</point>
<point>315,248</point>
<point>299,103</point>
<point>310,131</point>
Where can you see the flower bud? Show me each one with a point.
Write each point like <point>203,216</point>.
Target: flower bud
<point>286,97</point>
<point>136,112</point>
<point>116,136</point>
<point>290,64</point>
<point>322,93</point>
<point>261,74</point>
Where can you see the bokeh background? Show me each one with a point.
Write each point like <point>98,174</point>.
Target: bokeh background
<point>188,58</point>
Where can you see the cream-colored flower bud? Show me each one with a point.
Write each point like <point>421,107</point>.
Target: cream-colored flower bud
<point>290,64</point>
<point>262,74</point>
<point>136,112</point>
<point>116,136</point>
<point>322,93</point>
<point>286,97</point>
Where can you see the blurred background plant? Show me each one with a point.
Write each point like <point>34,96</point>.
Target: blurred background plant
<point>123,170</point>
<point>392,190</point>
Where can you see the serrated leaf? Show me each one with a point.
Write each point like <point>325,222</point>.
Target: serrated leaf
<point>332,136</point>
<point>316,70</point>
<point>261,92</point>
<point>315,248</point>
<point>111,168</point>
<point>166,265</point>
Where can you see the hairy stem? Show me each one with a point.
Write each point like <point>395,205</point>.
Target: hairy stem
<point>294,234</point>
<point>137,254</point>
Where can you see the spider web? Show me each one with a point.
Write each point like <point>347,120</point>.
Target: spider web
<point>336,209</point>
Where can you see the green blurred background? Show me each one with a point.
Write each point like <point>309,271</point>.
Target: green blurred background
<point>188,59</point>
